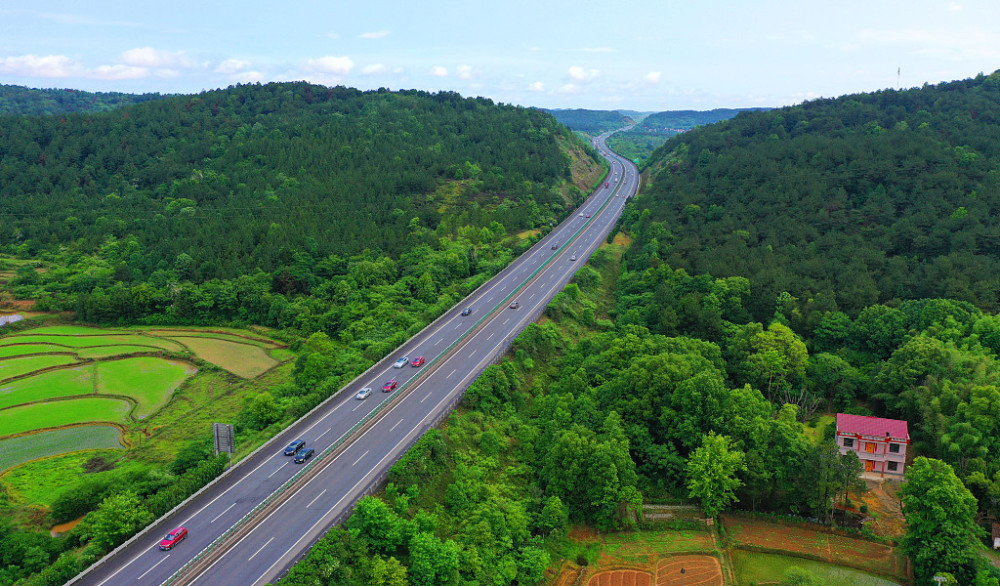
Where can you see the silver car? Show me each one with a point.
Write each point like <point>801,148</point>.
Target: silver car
<point>401,362</point>
<point>363,393</point>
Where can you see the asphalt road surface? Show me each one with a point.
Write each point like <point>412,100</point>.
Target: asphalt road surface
<point>286,532</point>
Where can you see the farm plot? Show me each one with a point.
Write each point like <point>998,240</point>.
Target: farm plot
<point>65,382</point>
<point>621,578</point>
<point>38,336</point>
<point>828,547</point>
<point>240,358</point>
<point>214,334</point>
<point>759,568</point>
<point>99,352</point>
<point>14,367</point>
<point>19,349</point>
<point>690,570</point>
<point>148,380</point>
<point>27,418</point>
<point>18,450</point>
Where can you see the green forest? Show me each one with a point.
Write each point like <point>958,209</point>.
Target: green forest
<point>15,99</point>
<point>592,122</point>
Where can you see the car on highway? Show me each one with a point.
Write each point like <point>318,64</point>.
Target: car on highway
<point>389,385</point>
<point>587,216</point>
<point>581,214</point>
<point>363,394</point>
<point>303,455</point>
<point>555,247</point>
<point>173,538</point>
<point>467,311</point>
<point>514,305</point>
<point>573,257</point>
<point>294,447</point>
<point>401,362</point>
<point>418,361</point>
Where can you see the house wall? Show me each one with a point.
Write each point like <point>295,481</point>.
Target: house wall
<point>874,452</point>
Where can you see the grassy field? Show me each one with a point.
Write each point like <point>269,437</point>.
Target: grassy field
<point>55,413</point>
<point>99,352</point>
<point>22,349</point>
<point>23,365</point>
<point>18,450</point>
<point>240,358</point>
<point>148,380</point>
<point>38,482</point>
<point>215,334</point>
<point>761,568</point>
<point>65,382</point>
<point>36,337</point>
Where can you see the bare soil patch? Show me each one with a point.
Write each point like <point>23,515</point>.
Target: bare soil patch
<point>699,570</point>
<point>621,578</point>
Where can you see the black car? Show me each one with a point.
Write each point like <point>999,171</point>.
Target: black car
<point>294,447</point>
<point>467,311</point>
<point>303,455</point>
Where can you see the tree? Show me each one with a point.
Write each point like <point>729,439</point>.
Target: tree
<point>388,572</point>
<point>118,517</point>
<point>941,532</point>
<point>712,473</point>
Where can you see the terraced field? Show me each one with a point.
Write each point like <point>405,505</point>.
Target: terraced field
<point>67,388</point>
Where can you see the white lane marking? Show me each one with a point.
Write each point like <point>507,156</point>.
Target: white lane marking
<point>393,428</point>
<point>451,373</point>
<point>150,569</point>
<point>471,354</point>
<point>261,549</point>
<point>439,341</point>
<point>422,400</point>
<point>505,321</point>
<point>532,297</point>
<point>222,513</point>
<point>360,457</point>
<point>360,403</point>
<point>316,499</point>
<point>276,470</point>
<point>490,336</point>
<point>324,433</point>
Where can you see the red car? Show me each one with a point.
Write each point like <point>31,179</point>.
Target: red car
<point>419,360</point>
<point>173,538</point>
<point>389,385</point>
<point>588,215</point>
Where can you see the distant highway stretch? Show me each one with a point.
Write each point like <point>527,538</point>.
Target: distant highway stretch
<point>457,348</point>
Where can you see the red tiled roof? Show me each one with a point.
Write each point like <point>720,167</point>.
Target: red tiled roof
<point>873,426</point>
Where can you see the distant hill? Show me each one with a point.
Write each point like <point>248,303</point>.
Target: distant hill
<point>591,122</point>
<point>652,130</point>
<point>15,99</point>
<point>842,203</point>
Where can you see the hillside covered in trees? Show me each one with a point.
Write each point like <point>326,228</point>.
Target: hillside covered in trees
<point>592,122</point>
<point>842,203</point>
<point>15,99</point>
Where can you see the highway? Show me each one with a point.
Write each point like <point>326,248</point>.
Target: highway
<point>457,348</point>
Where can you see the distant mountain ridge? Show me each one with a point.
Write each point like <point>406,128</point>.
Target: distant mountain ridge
<point>20,100</point>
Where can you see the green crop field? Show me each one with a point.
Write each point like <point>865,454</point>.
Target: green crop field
<point>27,364</point>
<point>33,337</point>
<point>18,450</point>
<point>148,380</point>
<point>56,413</point>
<point>759,568</point>
<point>73,331</point>
<point>180,335</point>
<point>98,352</point>
<point>241,359</point>
<point>66,382</point>
<point>22,349</point>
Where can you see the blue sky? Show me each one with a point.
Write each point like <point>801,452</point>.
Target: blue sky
<point>622,54</point>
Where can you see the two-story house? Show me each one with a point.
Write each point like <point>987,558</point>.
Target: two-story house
<point>879,443</point>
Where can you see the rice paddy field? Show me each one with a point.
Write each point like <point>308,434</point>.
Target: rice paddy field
<point>71,388</point>
<point>766,568</point>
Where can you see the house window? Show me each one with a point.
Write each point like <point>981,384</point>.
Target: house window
<point>870,447</point>
<point>893,448</point>
<point>848,442</point>
<point>893,466</point>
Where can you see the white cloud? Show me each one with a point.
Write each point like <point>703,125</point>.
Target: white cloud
<point>653,77</point>
<point>332,36</point>
<point>597,50</point>
<point>374,35</point>
<point>330,64</point>
<point>954,7</point>
<point>247,76</point>
<point>115,72</point>
<point>536,87</point>
<point>374,68</point>
<point>570,89</point>
<point>150,57</point>
<point>35,66</point>
<point>464,72</point>
<point>582,75</point>
<point>439,71</point>
<point>230,66</point>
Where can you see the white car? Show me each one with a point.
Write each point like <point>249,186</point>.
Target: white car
<point>401,362</point>
<point>363,394</point>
